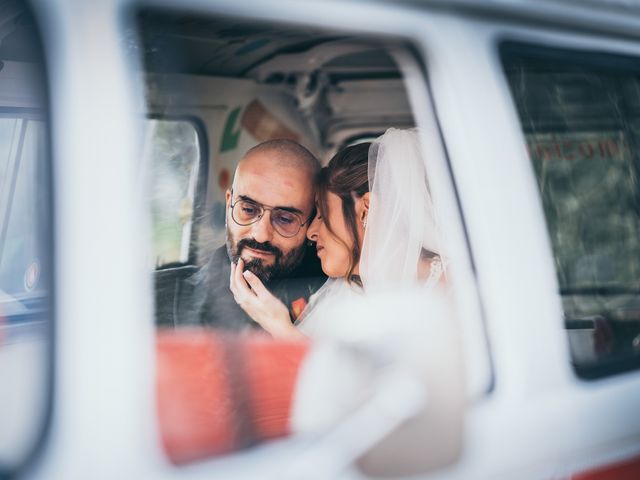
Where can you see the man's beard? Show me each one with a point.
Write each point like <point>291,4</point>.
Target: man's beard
<point>282,264</point>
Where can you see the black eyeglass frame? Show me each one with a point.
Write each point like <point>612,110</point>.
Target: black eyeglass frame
<point>263,208</point>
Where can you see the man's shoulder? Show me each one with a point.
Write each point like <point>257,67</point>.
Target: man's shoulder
<point>221,252</point>
<point>207,299</point>
<point>215,262</point>
<point>220,256</point>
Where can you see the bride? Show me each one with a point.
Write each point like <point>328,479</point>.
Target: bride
<point>375,228</point>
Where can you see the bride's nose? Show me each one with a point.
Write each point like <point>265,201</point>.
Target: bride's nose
<point>312,231</point>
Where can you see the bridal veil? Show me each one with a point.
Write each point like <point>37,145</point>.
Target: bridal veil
<point>401,226</point>
<point>402,222</point>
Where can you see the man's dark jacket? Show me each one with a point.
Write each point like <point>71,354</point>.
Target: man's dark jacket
<point>205,299</point>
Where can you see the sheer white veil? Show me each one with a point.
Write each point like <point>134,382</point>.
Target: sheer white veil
<point>401,225</point>
<point>402,222</point>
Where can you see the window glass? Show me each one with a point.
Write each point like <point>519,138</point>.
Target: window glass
<point>25,241</point>
<point>24,291</point>
<point>19,270</point>
<point>580,114</point>
<point>7,132</point>
<point>172,157</point>
<point>231,366</point>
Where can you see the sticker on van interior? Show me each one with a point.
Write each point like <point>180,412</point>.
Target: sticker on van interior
<point>263,125</point>
<point>230,136</point>
<point>224,179</point>
<point>578,146</point>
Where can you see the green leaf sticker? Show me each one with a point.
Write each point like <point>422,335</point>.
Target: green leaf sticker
<point>230,136</point>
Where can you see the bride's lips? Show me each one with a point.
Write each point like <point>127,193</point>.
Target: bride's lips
<point>319,248</point>
<point>258,253</point>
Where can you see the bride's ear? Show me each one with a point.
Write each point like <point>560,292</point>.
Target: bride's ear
<point>363,206</point>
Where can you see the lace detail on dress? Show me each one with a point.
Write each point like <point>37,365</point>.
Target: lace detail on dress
<point>435,272</point>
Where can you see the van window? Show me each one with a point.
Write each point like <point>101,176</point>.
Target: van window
<point>172,156</point>
<point>19,269</point>
<point>25,241</point>
<point>250,83</point>
<point>580,115</point>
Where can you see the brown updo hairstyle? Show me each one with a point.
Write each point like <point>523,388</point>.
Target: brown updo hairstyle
<point>347,176</point>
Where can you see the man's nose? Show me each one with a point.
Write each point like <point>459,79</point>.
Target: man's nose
<point>262,231</point>
<point>312,231</point>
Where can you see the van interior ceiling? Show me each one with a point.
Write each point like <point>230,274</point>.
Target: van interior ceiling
<point>344,87</point>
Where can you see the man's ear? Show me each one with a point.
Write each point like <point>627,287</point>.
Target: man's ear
<point>227,197</point>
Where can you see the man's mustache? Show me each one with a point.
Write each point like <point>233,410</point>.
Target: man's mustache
<point>262,246</point>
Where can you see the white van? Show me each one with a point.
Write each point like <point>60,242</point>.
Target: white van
<point>121,123</point>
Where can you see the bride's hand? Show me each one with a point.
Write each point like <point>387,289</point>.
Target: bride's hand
<point>260,304</point>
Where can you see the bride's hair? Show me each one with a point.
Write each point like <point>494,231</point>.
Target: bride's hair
<point>347,176</point>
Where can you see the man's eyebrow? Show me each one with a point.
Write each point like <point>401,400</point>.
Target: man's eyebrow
<point>285,208</point>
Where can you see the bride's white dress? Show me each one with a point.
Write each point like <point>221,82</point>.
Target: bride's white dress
<point>318,320</point>
<point>371,342</point>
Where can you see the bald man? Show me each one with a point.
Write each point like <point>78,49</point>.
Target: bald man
<point>269,208</point>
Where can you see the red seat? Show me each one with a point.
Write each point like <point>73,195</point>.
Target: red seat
<point>217,393</point>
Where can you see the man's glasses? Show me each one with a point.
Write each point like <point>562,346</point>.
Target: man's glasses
<point>286,223</point>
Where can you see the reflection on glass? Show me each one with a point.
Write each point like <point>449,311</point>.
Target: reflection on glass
<point>24,293</point>
<point>172,155</point>
<point>25,240</point>
<point>580,118</point>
